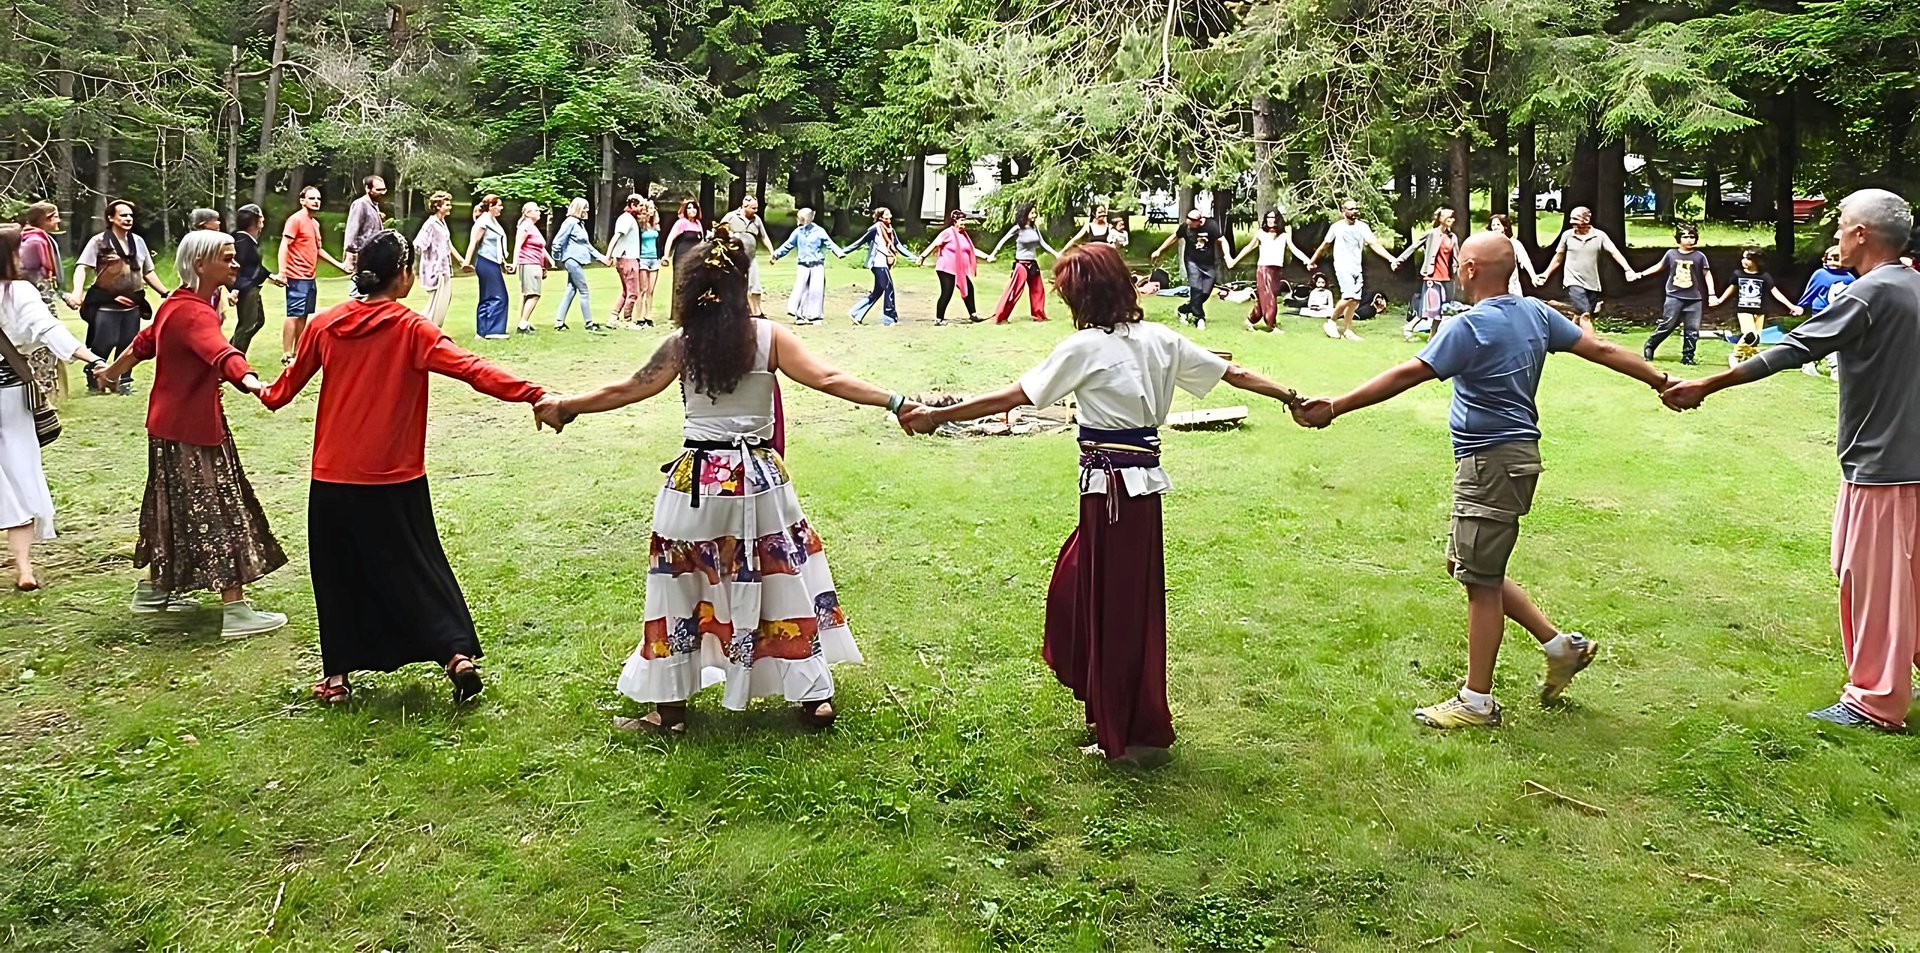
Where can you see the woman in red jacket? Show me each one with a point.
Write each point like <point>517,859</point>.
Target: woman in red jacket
<point>385,594</point>
<point>200,525</point>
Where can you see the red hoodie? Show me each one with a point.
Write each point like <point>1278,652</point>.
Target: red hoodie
<point>372,424</point>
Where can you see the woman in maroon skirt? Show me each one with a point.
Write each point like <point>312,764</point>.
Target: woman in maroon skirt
<point>1106,634</point>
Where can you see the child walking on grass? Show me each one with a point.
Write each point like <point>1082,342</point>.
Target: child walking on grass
<point>1754,286</point>
<point>1689,285</point>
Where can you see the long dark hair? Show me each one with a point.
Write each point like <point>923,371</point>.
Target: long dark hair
<point>717,341</point>
<point>9,255</point>
<point>1279,221</point>
<point>1023,216</point>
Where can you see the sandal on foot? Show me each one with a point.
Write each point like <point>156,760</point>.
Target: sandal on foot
<point>332,694</point>
<point>811,713</point>
<point>465,677</point>
<point>657,720</point>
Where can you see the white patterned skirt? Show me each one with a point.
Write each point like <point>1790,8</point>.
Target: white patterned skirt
<point>24,497</point>
<point>760,616</point>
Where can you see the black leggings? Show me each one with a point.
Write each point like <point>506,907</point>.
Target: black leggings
<point>249,317</point>
<point>946,295</point>
<point>111,333</point>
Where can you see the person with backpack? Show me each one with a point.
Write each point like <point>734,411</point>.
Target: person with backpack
<point>116,302</point>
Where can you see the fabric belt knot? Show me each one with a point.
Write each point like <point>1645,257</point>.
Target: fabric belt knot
<point>1111,451</point>
<point>745,445</point>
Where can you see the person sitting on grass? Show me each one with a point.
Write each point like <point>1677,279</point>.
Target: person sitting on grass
<point>763,619</point>
<point>1106,621</point>
<point>1373,308</point>
<point>1754,287</point>
<point>1320,298</point>
<point>1876,523</point>
<point>1494,354</point>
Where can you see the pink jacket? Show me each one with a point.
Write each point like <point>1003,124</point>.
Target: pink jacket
<point>956,257</point>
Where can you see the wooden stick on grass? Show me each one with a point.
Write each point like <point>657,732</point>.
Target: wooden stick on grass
<point>1536,789</point>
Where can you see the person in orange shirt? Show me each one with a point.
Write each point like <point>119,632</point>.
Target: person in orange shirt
<point>300,256</point>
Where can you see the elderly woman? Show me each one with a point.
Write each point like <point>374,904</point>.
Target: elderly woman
<point>381,584</point>
<point>763,619</point>
<point>433,249</point>
<point>573,249</point>
<point>26,506</point>
<point>530,261</point>
<point>201,527</point>
<point>809,244</point>
<point>1106,623</point>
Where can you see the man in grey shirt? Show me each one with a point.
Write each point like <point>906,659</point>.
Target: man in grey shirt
<point>1579,249</point>
<point>1875,326</point>
<point>746,225</point>
<point>364,219</point>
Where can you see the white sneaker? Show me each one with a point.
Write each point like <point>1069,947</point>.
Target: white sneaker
<point>1200,324</point>
<point>1349,335</point>
<point>1332,329</point>
<point>1811,368</point>
<point>241,618</point>
<point>1406,332</point>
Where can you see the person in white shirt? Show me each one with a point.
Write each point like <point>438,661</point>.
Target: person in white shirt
<point>1349,238</point>
<point>1274,239</point>
<point>1106,628</point>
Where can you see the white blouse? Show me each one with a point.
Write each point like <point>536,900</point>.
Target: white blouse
<point>30,326</point>
<point>1273,248</point>
<point>1123,380</point>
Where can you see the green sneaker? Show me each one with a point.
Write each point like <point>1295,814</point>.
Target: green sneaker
<point>1454,713</point>
<point>1562,668</point>
<point>242,619</point>
<point>148,600</point>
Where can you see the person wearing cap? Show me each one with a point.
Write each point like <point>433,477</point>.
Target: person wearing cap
<point>1202,245</point>
<point>1349,237</point>
<point>249,312</point>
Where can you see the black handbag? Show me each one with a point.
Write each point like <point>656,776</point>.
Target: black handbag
<point>46,423</point>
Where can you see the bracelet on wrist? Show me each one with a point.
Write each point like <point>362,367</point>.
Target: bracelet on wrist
<point>895,402</point>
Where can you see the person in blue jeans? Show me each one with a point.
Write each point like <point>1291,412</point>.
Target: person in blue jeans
<point>573,249</point>
<point>883,246</point>
<point>487,251</point>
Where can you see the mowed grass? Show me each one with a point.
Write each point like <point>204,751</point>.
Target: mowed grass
<point>163,789</point>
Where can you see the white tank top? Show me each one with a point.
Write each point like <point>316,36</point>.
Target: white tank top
<point>743,415</point>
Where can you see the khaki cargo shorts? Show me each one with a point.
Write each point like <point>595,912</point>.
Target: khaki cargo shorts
<point>1492,489</point>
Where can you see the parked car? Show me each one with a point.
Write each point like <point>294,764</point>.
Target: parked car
<point>1545,200</point>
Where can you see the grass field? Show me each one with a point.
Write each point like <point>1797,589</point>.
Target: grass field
<point>163,789</point>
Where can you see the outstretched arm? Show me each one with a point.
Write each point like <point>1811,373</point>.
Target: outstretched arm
<point>985,405</point>
<point>660,371</point>
<point>1077,236</point>
<point>1319,412</point>
<point>791,357</point>
<point>1253,381</point>
<point>1786,302</point>
<point>1163,245</point>
<point>1619,258</point>
<point>1003,241</point>
<point>1616,358</point>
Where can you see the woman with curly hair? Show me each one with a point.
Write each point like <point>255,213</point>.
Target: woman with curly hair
<point>1106,624</point>
<point>762,617</point>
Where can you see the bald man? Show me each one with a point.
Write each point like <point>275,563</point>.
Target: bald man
<point>1494,354</point>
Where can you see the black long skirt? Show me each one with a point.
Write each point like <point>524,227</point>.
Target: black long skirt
<point>381,584</point>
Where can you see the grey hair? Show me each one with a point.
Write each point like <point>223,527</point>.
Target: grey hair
<point>1886,216</point>
<point>803,216</point>
<point>197,248</point>
<point>199,217</point>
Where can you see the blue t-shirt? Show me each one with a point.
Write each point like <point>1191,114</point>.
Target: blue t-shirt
<point>1493,353</point>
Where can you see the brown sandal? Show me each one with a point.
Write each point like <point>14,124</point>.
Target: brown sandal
<point>664,719</point>
<point>465,677</point>
<point>812,714</point>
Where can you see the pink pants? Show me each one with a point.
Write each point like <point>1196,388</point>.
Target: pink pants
<point>629,269</point>
<point>1876,542</point>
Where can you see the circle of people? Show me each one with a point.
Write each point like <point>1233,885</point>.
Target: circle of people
<point>738,589</point>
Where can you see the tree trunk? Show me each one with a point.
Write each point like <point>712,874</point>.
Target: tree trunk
<point>270,113</point>
<point>1223,207</point>
<point>1786,163</point>
<point>1266,190</point>
<point>916,189</point>
<point>102,174</point>
<point>68,177</point>
<point>708,193</point>
<point>1899,113</point>
<point>1501,165</point>
<point>1664,207</point>
<point>1610,197</point>
<point>296,180</point>
<point>1710,189</point>
<point>604,207</point>
<point>737,184</point>
<point>956,176</point>
<point>761,174</point>
<point>1527,160</point>
<point>1460,178</point>
<point>1183,186</point>
<point>233,134</point>
<point>1583,183</point>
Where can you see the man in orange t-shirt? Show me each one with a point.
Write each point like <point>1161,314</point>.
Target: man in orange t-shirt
<point>300,254</point>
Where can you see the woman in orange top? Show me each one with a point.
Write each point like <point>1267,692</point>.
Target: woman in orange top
<point>385,594</point>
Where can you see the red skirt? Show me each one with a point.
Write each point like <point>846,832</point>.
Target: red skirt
<point>1106,634</point>
<point>1266,295</point>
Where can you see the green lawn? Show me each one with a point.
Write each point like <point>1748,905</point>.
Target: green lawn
<point>163,789</point>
